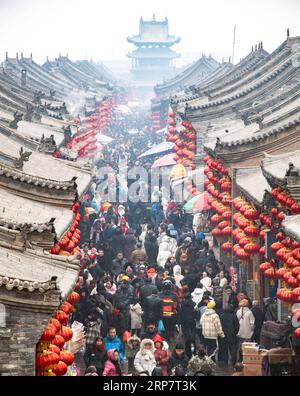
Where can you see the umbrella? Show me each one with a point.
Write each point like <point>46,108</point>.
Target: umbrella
<point>166,160</point>
<point>198,203</point>
<point>159,149</point>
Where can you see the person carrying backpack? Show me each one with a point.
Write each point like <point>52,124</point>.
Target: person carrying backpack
<point>169,308</point>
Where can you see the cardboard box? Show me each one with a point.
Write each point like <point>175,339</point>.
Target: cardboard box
<point>252,370</point>
<point>252,358</point>
<point>249,346</point>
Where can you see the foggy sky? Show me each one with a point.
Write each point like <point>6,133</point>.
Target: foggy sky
<point>98,28</point>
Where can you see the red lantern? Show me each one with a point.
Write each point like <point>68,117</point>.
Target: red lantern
<point>280,216</point>
<point>48,333</point>
<point>270,273</point>
<point>276,246</point>
<point>251,248</point>
<point>252,231</point>
<point>54,348</point>
<point>66,357</point>
<point>242,255</point>
<point>227,231</point>
<point>62,317</point>
<point>215,219</point>
<point>281,272</point>
<point>56,323</point>
<point>46,359</point>
<point>60,368</point>
<point>66,307</point>
<point>244,241</point>
<point>264,266</point>
<point>223,224</point>
<point>262,251</point>
<point>297,333</point>
<point>66,333</point>
<point>227,215</point>
<point>58,341</point>
<point>296,271</point>
<point>251,214</point>
<point>216,232</point>
<point>292,282</point>
<point>226,247</point>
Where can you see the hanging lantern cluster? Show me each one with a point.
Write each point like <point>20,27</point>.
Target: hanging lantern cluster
<point>85,142</point>
<point>68,244</point>
<point>185,142</point>
<point>51,357</point>
<point>286,202</point>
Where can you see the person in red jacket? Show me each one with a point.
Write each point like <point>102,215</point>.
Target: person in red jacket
<point>160,354</point>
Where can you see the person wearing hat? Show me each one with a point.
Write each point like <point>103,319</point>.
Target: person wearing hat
<point>170,308</point>
<point>185,253</point>
<point>178,358</point>
<point>161,354</point>
<point>247,323</point>
<point>123,299</point>
<point>198,362</point>
<point>211,329</point>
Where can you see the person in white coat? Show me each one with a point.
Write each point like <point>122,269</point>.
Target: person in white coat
<point>136,313</point>
<point>177,275</point>
<point>197,294</point>
<point>144,359</point>
<point>247,323</point>
<point>166,249</point>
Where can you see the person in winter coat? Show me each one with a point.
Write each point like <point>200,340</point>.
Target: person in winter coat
<point>259,320</point>
<point>112,367</point>
<point>185,253</point>
<point>206,282</point>
<point>217,293</point>
<point>172,232</point>
<point>110,287</point>
<point>146,290</point>
<point>197,294</point>
<point>97,356</point>
<point>112,341</point>
<point>230,298</point>
<point>229,344</point>
<point>161,355</point>
<point>211,329</point>
<point>136,312</point>
<point>144,359</point>
<point>91,371</point>
<point>197,362</point>
<point>247,323</point>
<point>188,318</point>
<point>167,247</point>
<point>177,358</point>
<point>151,247</point>
<point>118,241</point>
<point>138,256</point>
<point>169,308</point>
<point>190,348</point>
<point>177,275</point>
<point>118,264</point>
<point>130,243</point>
<point>132,346</point>
<point>123,299</point>
<point>152,308</point>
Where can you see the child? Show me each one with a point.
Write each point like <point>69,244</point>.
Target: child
<point>160,354</point>
<point>136,317</point>
<point>132,346</point>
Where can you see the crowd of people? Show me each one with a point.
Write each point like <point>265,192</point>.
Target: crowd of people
<point>154,300</point>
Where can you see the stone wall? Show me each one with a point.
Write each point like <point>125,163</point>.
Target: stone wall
<point>26,314</point>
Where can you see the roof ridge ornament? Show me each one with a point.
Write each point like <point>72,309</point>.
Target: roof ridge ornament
<point>23,157</point>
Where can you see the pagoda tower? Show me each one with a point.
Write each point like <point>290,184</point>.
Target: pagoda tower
<point>153,60</point>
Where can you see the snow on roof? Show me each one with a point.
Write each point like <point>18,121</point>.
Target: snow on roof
<point>253,182</point>
<point>291,226</point>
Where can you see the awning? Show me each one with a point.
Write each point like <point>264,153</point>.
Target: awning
<point>104,139</point>
<point>158,149</point>
<point>166,160</point>
<point>198,203</point>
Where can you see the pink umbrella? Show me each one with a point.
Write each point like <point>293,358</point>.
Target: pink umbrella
<point>166,160</point>
<point>201,203</point>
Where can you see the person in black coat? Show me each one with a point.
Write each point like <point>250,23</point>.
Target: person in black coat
<point>146,290</point>
<point>152,308</point>
<point>122,301</point>
<point>230,325</point>
<point>151,247</point>
<point>187,316</point>
<point>177,358</point>
<point>118,241</point>
<point>259,320</point>
<point>97,356</point>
